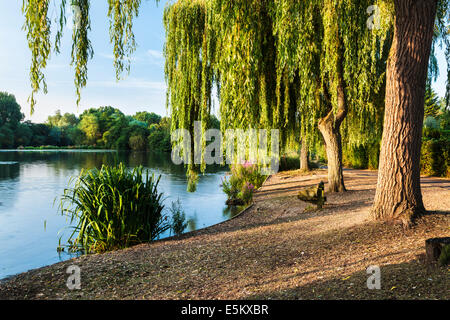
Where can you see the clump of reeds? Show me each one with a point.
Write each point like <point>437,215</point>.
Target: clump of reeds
<point>113,208</point>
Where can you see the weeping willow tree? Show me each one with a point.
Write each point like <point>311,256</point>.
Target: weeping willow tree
<point>188,68</point>
<point>327,48</point>
<point>209,43</point>
<point>280,64</point>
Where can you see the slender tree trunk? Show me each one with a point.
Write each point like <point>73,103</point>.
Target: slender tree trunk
<point>332,136</point>
<point>398,196</point>
<point>330,126</point>
<point>304,166</point>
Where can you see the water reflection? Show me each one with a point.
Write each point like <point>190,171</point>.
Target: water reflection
<point>231,211</point>
<point>9,170</point>
<point>192,222</point>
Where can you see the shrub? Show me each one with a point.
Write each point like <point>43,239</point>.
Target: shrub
<point>243,181</point>
<point>289,162</point>
<point>435,157</point>
<point>431,133</point>
<point>356,157</point>
<point>113,208</point>
<point>373,154</point>
<point>364,156</point>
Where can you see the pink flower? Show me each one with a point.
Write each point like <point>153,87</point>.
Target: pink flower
<point>247,164</point>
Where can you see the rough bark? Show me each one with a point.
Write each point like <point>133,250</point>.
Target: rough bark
<point>398,195</point>
<point>304,165</point>
<point>332,136</point>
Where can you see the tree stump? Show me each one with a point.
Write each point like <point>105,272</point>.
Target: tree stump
<point>437,250</point>
<point>313,195</point>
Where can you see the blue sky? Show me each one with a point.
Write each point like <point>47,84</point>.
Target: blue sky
<point>143,89</point>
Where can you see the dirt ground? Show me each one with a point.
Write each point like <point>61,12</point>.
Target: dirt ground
<point>274,250</point>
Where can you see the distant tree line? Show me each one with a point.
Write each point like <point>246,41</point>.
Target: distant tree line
<point>104,127</point>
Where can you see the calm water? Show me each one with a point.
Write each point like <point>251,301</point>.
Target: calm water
<point>31,180</point>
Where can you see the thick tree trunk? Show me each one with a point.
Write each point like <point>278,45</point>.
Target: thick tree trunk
<point>304,166</point>
<point>398,196</point>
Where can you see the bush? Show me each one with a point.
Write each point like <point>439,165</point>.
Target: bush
<point>356,157</point>
<point>431,133</point>
<point>244,180</point>
<point>289,162</point>
<point>159,140</point>
<point>435,157</point>
<point>373,153</point>
<point>113,208</point>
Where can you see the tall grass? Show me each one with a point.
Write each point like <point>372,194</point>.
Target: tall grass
<point>113,208</point>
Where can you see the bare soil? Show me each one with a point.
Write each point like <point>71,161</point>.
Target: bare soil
<point>274,250</point>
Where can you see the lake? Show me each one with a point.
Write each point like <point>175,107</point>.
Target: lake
<point>31,183</point>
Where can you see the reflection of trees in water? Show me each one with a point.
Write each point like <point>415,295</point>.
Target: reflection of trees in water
<point>160,161</point>
<point>71,160</point>
<point>62,160</point>
<point>232,211</point>
<point>8,181</point>
<point>153,160</point>
<point>192,222</point>
<point>9,170</point>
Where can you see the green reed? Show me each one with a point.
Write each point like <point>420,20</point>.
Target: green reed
<point>113,208</point>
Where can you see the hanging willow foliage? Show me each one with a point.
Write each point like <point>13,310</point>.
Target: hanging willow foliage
<point>37,26</point>
<point>188,65</point>
<point>244,37</point>
<point>299,32</point>
<point>246,69</point>
<point>269,58</point>
<point>121,14</point>
<point>310,34</point>
<point>82,50</point>
<point>272,61</point>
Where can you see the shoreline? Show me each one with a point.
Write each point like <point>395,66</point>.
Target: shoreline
<point>272,249</point>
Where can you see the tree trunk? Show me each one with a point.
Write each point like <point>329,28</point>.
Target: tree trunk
<point>330,128</point>
<point>398,196</point>
<point>332,136</point>
<point>304,166</point>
